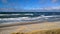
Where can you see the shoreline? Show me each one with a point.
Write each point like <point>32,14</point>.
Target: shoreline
<point>19,23</point>
<point>22,23</point>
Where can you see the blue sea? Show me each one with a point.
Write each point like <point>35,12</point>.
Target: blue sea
<point>14,17</point>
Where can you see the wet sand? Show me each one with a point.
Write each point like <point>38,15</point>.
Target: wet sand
<point>16,28</point>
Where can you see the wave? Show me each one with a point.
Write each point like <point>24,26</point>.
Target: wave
<point>28,14</point>
<point>14,14</point>
<point>27,19</point>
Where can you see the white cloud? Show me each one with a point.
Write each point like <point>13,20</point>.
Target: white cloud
<point>42,1</point>
<point>4,1</point>
<point>50,8</point>
<point>47,8</point>
<point>54,1</point>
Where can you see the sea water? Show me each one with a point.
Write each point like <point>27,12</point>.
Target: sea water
<point>12,17</point>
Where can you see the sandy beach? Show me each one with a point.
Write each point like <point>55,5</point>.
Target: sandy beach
<point>16,28</point>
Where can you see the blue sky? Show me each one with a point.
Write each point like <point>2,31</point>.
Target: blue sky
<point>28,4</point>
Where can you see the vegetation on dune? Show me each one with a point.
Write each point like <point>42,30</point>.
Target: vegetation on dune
<point>51,31</point>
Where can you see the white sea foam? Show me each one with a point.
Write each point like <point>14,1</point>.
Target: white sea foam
<point>9,14</point>
<point>13,14</point>
<point>25,19</point>
<point>28,14</point>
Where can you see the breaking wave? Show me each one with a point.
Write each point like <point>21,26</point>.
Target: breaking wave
<point>13,14</point>
<point>27,19</point>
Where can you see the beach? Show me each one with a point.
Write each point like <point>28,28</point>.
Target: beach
<point>41,26</point>
<point>29,17</point>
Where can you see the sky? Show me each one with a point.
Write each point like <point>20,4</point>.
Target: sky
<point>28,4</point>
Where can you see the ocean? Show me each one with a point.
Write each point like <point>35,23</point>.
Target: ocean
<point>14,17</point>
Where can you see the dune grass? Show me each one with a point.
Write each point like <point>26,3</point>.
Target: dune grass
<point>51,31</point>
